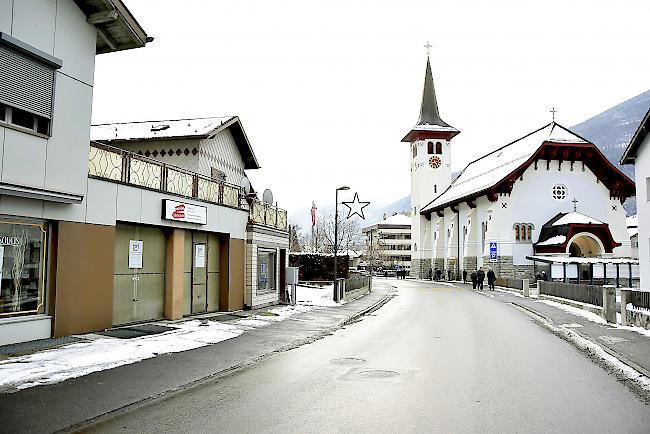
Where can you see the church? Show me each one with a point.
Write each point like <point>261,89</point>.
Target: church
<point>550,193</point>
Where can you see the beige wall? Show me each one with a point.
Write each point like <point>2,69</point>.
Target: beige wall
<point>84,278</point>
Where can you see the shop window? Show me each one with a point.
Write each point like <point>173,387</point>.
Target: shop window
<point>22,249</point>
<point>266,270</point>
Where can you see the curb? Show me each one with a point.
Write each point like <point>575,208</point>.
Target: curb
<point>152,400</point>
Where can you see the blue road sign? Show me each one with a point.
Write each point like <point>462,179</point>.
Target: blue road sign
<point>493,252</point>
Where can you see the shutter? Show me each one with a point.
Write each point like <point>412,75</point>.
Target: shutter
<point>26,84</point>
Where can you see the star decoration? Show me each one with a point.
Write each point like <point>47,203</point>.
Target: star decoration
<point>356,207</point>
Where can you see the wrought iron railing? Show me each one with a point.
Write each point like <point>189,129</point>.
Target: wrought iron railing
<point>268,215</point>
<point>119,165</point>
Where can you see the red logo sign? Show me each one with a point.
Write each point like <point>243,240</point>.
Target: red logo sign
<point>179,212</point>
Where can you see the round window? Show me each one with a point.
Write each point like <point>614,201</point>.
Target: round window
<point>559,192</point>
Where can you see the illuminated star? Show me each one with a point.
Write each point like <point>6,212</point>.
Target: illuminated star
<point>356,207</point>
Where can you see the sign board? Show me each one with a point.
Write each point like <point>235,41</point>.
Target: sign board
<point>199,255</point>
<point>184,212</point>
<point>135,253</point>
<point>493,252</point>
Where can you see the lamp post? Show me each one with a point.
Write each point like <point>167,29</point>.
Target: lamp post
<point>336,237</point>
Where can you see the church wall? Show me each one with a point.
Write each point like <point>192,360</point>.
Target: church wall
<point>642,170</point>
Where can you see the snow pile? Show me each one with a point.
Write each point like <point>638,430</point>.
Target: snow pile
<point>589,316</point>
<point>80,359</point>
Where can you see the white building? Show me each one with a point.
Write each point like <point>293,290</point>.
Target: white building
<point>638,153</point>
<point>632,223</point>
<point>389,242</point>
<point>549,193</point>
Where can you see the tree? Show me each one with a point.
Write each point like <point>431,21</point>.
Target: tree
<point>349,233</point>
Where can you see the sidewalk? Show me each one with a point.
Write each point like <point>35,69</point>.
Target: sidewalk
<point>59,406</point>
<point>630,345</point>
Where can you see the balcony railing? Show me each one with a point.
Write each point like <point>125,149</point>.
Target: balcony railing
<point>268,215</point>
<point>119,165</point>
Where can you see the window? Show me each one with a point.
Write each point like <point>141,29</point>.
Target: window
<point>559,192</point>
<point>438,148</point>
<point>530,233</point>
<point>517,234</point>
<point>415,150</point>
<point>647,188</point>
<point>430,148</point>
<point>435,188</point>
<point>266,270</point>
<point>217,174</point>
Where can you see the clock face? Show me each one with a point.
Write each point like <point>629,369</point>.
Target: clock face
<point>435,162</point>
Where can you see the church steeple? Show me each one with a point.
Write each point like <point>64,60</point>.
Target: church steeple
<point>430,125</point>
<point>429,114</point>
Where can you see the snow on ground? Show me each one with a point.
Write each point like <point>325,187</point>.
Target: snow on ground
<point>590,316</point>
<point>79,359</point>
<point>76,360</point>
<point>316,295</point>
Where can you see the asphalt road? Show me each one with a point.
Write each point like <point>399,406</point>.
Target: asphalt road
<point>434,359</point>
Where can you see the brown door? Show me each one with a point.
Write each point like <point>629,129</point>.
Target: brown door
<point>283,275</point>
<point>199,272</point>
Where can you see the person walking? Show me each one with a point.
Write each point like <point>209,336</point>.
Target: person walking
<point>430,274</point>
<point>474,278</point>
<point>480,277</point>
<point>438,274</point>
<point>449,274</point>
<point>464,276</point>
<point>491,277</point>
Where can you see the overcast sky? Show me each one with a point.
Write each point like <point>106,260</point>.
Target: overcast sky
<point>327,89</point>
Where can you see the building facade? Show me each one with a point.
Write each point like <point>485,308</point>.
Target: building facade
<point>549,193</point>
<point>389,243</point>
<point>638,153</point>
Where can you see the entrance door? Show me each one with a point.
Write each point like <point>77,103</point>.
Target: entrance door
<point>199,272</point>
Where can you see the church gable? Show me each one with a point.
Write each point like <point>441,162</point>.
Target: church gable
<point>497,172</point>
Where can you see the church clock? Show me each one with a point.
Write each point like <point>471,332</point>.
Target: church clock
<point>435,162</point>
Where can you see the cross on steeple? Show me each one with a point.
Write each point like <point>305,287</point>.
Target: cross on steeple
<point>428,46</point>
<point>575,204</point>
<point>553,111</point>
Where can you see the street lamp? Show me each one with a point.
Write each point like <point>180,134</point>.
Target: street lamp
<point>336,237</point>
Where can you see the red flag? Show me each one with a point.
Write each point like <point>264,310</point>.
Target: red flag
<point>313,214</point>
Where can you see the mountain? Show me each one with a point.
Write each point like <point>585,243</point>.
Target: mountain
<point>612,130</point>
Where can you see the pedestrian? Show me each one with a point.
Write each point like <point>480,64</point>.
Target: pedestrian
<point>438,274</point>
<point>491,277</point>
<point>543,275</point>
<point>464,276</point>
<point>449,274</point>
<point>430,274</point>
<point>474,278</point>
<point>480,276</point>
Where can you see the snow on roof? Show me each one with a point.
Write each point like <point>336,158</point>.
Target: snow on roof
<point>157,129</point>
<point>632,232</point>
<point>580,260</point>
<point>553,241</point>
<point>427,127</point>
<point>398,219</point>
<point>632,221</point>
<point>576,218</point>
<point>488,170</point>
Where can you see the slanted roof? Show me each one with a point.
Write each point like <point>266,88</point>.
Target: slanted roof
<point>555,233</point>
<point>429,120</point>
<point>487,171</point>
<point>177,129</point>
<point>117,29</point>
<point>639,135</point>
<point>574,218</point>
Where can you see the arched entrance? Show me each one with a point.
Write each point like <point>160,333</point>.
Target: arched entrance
<point>585,245</point>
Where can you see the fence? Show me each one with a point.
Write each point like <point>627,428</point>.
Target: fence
<point>583,293</point>
<point>640,299</point>
<point>509,283</point>
<point>356,282</point>
<point>268,215</point>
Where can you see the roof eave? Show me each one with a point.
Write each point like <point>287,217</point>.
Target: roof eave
<point>629,156</point>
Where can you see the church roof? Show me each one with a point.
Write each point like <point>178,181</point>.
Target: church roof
<point>487,171</point>
<point>429,120</point>
<point>555,233</point>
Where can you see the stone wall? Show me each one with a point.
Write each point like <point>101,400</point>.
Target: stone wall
<point>470,264</point>
<point>439,263</point>
<point>420,268</point>
<point>524,272</point>
<point>502,268</point>
<point>451,265</point>
<point>638,318</point>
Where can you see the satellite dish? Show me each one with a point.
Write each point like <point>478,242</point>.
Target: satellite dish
<point>246,185</point>
<point>267,197</point>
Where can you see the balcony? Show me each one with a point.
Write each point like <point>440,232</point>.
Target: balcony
<point>125,167</point>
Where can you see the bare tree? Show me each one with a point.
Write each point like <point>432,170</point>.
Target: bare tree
<point>349,233</point>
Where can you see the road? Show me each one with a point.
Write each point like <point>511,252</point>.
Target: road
<point>434,359</point>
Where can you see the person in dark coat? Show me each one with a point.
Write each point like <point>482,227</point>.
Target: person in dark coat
<point>464,276</point>
<point>491,277</point>
<point>474,278</point>
<point>480,276</point>
<point>449,274</point>
<point>438,274</point>
<point>430,274</point>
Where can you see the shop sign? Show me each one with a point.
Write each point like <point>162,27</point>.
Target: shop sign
<point>135,253</point>
<point>184,212</point>
<point>6,240</point>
